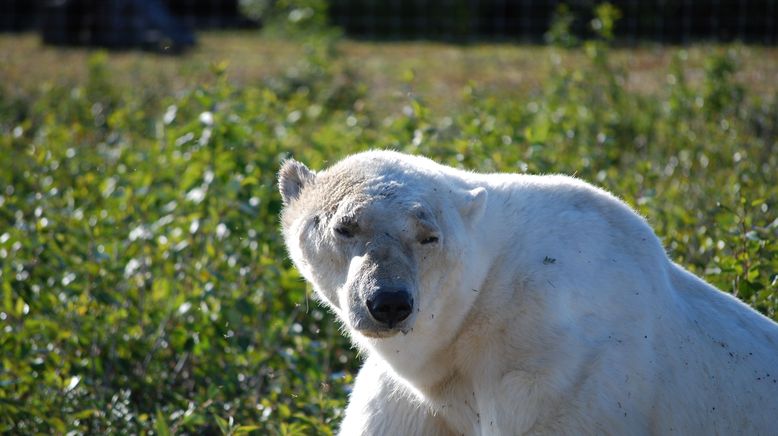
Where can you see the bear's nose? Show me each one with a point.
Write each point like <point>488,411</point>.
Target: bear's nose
<point>390,306</point>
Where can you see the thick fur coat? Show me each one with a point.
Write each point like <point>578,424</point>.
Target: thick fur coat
<point>502,304</point>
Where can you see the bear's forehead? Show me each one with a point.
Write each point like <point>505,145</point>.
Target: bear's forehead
<point>335,187</point>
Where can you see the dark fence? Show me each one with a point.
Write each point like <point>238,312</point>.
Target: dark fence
<point>670,21</point>
<point>673,21</point>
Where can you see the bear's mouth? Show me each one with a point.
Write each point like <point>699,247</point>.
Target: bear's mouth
<point>384,333</point>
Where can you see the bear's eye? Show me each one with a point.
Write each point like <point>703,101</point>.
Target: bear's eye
<point>345,231</point>
<point>429,240</point>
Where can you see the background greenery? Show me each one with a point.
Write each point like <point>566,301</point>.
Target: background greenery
<point>144,287</point>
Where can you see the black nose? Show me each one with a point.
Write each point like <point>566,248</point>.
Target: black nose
<point>390,306</point>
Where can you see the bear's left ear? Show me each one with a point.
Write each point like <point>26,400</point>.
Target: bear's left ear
<point>292,178</point>
<point>473,204</point>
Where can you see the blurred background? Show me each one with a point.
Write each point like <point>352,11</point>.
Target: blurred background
<point>116,22</point>
<point>144,286</point>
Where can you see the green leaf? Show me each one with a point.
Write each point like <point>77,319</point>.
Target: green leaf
<point>85,414</point>
<point>244,429</point>
<point>160,424</point>
<point>224,427</point>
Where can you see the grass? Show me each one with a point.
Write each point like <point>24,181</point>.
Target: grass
<point>144,287</point>
<point>440,71</point>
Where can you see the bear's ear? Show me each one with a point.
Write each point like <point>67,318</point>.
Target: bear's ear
<point>473,204</point>
<point>292,178</point>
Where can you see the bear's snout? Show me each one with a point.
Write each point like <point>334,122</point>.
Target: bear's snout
<point>390,306</point>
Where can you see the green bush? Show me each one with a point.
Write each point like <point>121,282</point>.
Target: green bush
<point>145,287</point>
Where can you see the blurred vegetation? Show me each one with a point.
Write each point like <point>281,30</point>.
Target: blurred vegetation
<point>144,287</point>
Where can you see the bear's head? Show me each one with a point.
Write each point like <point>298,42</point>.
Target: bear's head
<point>384,239</point>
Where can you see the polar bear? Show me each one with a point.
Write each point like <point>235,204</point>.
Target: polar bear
<point>502,304</point>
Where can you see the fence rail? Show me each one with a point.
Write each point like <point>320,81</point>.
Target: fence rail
<point>670,21</point>
<point>659,20</point>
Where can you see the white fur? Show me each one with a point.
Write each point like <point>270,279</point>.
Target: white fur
<point>549,307</point>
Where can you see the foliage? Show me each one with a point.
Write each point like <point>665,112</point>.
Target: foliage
<point>605,17</point>
<point>289,17</point>
<point>144,287</point>
<point>560,31</point>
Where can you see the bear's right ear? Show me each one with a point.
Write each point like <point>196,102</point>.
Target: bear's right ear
<point>472,203</point>
<point>292,177</point>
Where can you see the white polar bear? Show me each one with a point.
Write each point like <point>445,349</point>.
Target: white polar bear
<point>501,304</point>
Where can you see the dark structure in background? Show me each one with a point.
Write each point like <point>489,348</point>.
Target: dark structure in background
<point>209,14</point>
<point>17,15</point>
<point>114,24</point>
<point>670,21</point>
<point>152,24</point>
